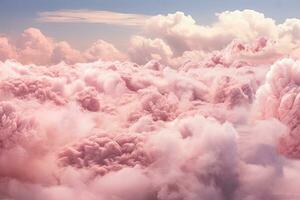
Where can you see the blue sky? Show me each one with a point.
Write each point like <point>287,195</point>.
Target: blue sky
<point>17,15</point>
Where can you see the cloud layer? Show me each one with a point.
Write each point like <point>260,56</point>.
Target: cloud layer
<point>173,39</point>
<point>93,16</point>
<point>33,47</point>
<point>189,112</point>
<point>182,34</point>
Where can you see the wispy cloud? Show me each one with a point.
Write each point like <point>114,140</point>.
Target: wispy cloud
<point>93,16</point>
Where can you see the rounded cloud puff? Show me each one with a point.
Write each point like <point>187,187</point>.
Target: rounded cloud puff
<point>88,99</point>
<point>174,39</point>
<point>15,129</point>
<point>279,98</point>
<point>104,51</point>
<point>143,50</point>
<point>33,47</point>
<point>83,129</point>
<point>103,154</point>
<point>201,115</point>
<point>6,49</point>
<point>182,33</point>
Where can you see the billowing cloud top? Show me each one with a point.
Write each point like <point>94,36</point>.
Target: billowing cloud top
<point>188,112</point>
<point>173,39</point>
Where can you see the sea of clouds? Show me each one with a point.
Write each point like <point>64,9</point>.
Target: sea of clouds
<point>190,112</point>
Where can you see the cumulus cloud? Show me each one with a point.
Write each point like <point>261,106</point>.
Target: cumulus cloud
<point>33,47</point>
<point>185,133</point>
<point>64,52</point>
<point>182,32</point>
<point>279,98</point>
<point>184,36</point>
<point>7,50</point>
<point>192,123</point>
<point>144,49</point>
<point>235,38</point>
<point>103,50</point>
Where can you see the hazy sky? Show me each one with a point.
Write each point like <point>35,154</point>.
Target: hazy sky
<point>17,15</point>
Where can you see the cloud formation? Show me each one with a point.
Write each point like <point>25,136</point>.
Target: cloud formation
<point>182,32</point>
<point>93,16</point>
<point>33,47</point>
<point>174,39</point>
<point>79,131</point>
<point>184,36</point>
<point>145,49</point>
<point>279,98</point>
<point>180,116</point>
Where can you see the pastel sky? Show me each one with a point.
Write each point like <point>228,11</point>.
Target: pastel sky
<point>17,15</point>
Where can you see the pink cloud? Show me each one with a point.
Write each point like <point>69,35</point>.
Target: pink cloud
<point>173,39</point>
<point>79,130</point>
<point>6,49</point>
<point>103,50</point>
<point>33,47</point>
<point>64,52</point>
<point>92,16</point>
<point>278,98</point>
<point>144,49</point>
<point>183,35</point>
<point>212,119</point>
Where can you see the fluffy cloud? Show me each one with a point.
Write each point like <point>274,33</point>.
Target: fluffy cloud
<point>174,39</point>
<point>33,47</point>
<point>202,125</point>
<point>289,37</point>
<point>103,50</point>
<point>144,49</point>
<point>279,98</point>
<point>185,37</point>
<point>174,133</point>
<point>64,52</point>
<point>183,34</point>
<point>6,49</point>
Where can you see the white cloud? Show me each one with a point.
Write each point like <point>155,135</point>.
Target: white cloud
<point>144,49</point>
<point>93,16</point>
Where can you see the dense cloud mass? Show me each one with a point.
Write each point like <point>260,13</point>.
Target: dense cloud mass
<point>33,47</point>
<point>173,39</point>
<point>190,112</point>
<point>279,98</point>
